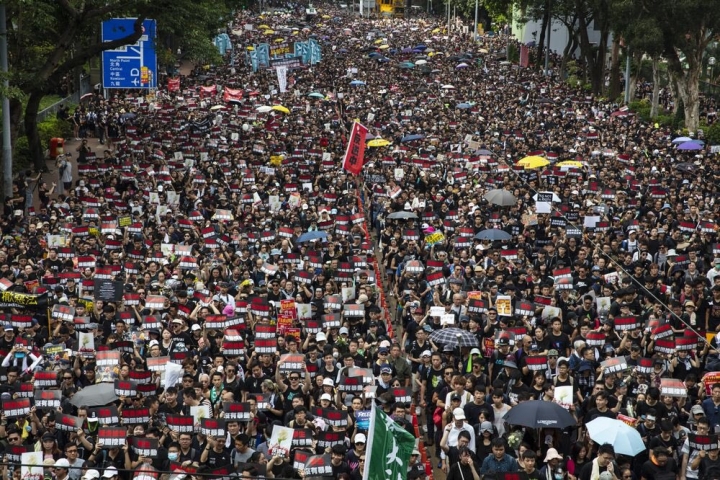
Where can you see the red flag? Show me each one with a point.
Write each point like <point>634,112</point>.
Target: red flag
<point>173,85</point>
<point>355,152</point>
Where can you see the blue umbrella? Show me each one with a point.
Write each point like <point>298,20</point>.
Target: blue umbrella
<point>493,234</point>
<point>374,54</point>
<point>690,146</point>
<point>413,137</point>
<point>420,47</point>
<point>407,65</point>
<point>625,439</point>
<point>357,83</point>
<point>383,59</point>
<point>310,236</point>
<point>463,106</point>
<point>406,50</point>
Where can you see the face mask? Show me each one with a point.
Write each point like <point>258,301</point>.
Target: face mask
<point>558,476</point>
<point>173,456</point>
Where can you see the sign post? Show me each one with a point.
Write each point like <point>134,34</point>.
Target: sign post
<point>129,66</point>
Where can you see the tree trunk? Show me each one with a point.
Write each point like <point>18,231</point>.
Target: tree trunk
<point>570,47</point>
<point>674,93</point>
<point>688,85</point>
<point>615,70</point>
<point>654,107</point>
<point>31,129</point>
<point>635,76</point>
<point>543,31</point>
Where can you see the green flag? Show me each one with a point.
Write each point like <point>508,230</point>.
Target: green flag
<point>389,447</point>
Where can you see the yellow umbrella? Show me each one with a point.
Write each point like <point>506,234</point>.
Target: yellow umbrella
<point>280,108</point>
<point>250,48</point>
<point>384,47</point>
<point>326,16</point>
<point>437,30</point>
<point>533,162</point>
<point>268,32</point>
<point>378,142</point>
<point>571,163</point>
<point>279,40</point>
<point>266,27</point>
<point>378,41</point>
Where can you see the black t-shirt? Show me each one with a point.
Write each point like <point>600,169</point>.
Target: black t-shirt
<point>595,413</point>
<point>216,460</point>
<point>340,469</point>
<point>709,469</point>
<point>559,342</point>
<point>434,380</point>
<point>651,471</point>
<point>587,469</point>
<point>252,384</point>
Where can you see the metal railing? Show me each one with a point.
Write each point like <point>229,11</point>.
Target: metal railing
<point>74,98</point>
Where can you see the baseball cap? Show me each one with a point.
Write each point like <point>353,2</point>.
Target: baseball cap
<point>320,337</point>
<point>385,368</point>
<point>110,472</point>
<point>475,351</point>
<point>455,397</point>
<point>328,382</point>
<point>360,438</point>
<point>459,414</point>
<point>486,427</point>
<point>91,474</point>
<point>344,330</point>
<point>383,350</point>
<point>62,463</point>
<point>426,353</point>
<point>428,328</point>
<point>697,410</point>
<point>326,396</point>
<point>553,353</point>
<point>534,347</point>
<point>195,327</point>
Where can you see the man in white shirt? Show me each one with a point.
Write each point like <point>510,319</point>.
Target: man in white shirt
<point>450,435</point>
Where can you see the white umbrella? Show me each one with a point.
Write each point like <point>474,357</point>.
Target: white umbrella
<point>421,62</point>
<point>264,109</point>
<point>448,87</point>
<point>555,198</point>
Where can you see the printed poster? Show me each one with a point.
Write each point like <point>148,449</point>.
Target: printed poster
<point>504,305</point>
<point>563,396</point>
<point>281,441</point>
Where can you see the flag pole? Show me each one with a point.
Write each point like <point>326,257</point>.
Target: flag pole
<point>369,444</point>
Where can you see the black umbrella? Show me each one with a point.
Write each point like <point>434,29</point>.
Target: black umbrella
<point>493,234</point>
<point>402,215</point>
<point>539,414</point>
<point>95,395</point>
<point>686,167</point>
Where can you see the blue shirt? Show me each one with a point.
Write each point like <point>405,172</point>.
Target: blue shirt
<point>492,465</point>
<point>712,412</point>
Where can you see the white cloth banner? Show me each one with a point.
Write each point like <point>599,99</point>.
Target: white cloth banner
<point>282,78</point>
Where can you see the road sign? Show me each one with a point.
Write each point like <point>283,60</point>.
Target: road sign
<point>130,66</point>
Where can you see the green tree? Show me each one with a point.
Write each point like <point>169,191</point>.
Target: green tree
<point>50,40</point>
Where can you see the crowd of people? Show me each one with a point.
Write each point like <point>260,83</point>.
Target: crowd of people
<point>216,262</point>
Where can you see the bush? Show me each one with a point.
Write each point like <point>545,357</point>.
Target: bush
<point>712,134</point>
<point>50,128</point>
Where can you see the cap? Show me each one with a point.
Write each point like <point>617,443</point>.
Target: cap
<point>534,347</point>
<point>362,299</point>
<point>689,303</point>
<point>344,330</point>
<point>459,414</point>
<point>697,410</point>
<point>48,436</point>
<point>328,382</point>
<point>110,472</point>
<point>195,327</point>
<point>385,368</point>
<point>383,350</point>
<point>475,351</point>
<point>153,343</point>
<point>671,253</point>
<point>486,427</point>
<point>91,474</point>
<point>360,438</point>
<point>326,396</point>
<point>414,452</point>
<point>62,463</point>
<point>455,397</point>
<point>320,337</point>
<point>428,328</point>
<point>552,454</point>
<point>553,353</point>
<point>426,353</point>
<point>584,366</point>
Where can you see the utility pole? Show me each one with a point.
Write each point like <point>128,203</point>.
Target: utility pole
<point>7,147</point>
<point>627,75</point>
<point>475,27</point>
<point>547,46</point>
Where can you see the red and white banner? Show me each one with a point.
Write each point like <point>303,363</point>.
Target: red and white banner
<point>173,85</point>
<point>208,91</point>
<point>232,95</point>
<point>355,152</point>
